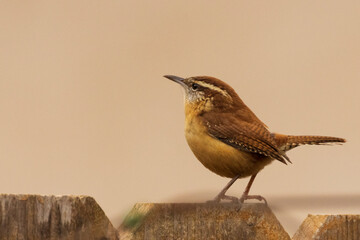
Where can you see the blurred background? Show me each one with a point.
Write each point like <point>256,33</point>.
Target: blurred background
<point>85,109</point>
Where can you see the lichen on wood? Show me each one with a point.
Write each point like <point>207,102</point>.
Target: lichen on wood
<point>330,227</point>
<point>196,221</point>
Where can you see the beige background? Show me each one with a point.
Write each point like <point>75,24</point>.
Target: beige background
<point>85,109</point>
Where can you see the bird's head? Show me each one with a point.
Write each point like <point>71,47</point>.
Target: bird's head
<point>207,93</point>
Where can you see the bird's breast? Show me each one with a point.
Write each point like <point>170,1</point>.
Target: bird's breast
<point>217,156</point>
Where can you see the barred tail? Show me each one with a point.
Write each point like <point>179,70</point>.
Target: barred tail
<point>287,142</point>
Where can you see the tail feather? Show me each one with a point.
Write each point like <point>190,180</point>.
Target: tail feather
<point>287,142</point>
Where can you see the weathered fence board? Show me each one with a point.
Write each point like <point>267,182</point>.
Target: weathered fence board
<point>329,227</point>
<point>34,217</point>
<point>196,221</point>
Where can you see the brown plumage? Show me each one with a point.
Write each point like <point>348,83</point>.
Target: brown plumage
<point>228,138</point>
<point>287,142</point>
<point>246,136</point>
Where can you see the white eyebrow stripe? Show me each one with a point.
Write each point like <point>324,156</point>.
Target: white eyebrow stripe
<point>210,86</point>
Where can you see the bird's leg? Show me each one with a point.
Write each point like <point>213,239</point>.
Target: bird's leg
<point>247,190</point>
<point>222,195</point>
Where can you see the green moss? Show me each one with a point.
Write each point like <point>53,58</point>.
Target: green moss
<point>133,220</point>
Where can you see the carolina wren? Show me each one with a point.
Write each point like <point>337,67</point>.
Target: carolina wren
<point>228,138</point>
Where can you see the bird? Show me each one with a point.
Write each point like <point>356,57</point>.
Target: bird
<point>228,138</point>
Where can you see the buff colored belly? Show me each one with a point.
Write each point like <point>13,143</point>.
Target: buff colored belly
<point>219,157</point>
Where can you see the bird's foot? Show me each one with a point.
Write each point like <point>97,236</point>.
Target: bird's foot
<point>257,197</point>
<point>218,198</point>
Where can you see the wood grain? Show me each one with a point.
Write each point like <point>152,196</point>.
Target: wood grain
<point>34,217</point>
<point>329,227</point>
<point>198,221</point>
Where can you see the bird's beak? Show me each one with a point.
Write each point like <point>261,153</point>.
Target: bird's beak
<point>176,79</point>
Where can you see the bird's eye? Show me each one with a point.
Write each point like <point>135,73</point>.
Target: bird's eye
<point>195,86</point>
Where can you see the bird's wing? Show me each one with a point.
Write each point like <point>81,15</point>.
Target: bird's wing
<point>245,136</point>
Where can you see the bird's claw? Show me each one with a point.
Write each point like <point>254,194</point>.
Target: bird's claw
<point>257,197</point>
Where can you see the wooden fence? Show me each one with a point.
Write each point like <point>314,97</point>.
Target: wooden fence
<point>35,217</point>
